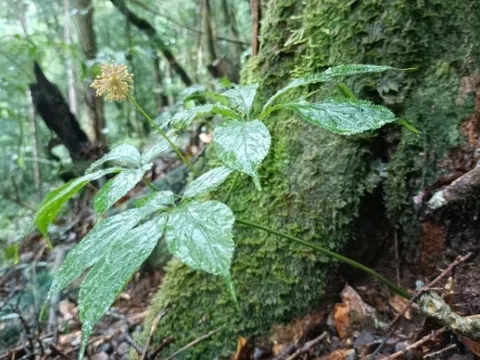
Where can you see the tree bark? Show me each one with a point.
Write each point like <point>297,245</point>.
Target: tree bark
<point>71,83</point>
<point>150,31</point>
<point>86,34</point>
<point>231,22</point>
<point>207,15</point>
<point>329,189</point>
<point>54,110</point>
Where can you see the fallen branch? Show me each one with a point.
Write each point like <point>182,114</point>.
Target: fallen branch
<point>439,352</point>
<point>422,341</point>
<point>154,326</point>
<point>194,342</point>
<point>308,346</point>
<point>418,294</point>
<point>465,186</point>
<point>432,305</point>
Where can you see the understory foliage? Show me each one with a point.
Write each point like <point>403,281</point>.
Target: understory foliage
<point>197,228</point>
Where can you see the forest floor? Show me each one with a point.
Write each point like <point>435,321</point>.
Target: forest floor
<point>353,324</point>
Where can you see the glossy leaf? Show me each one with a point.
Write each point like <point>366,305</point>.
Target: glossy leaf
<point>207,182</point>
<point>158,200</point>
<point>185,117</point>
<point>94,245</point>
<point>159,148</point>
<point>200,235</point>
<point>113,271</point>
<point>53,202</point>
<point>344,116</point>
<point>125,154</point>
<point>118,187</point>
<point>242,145</point>
<point>242,96</point>
<point>329,74</point>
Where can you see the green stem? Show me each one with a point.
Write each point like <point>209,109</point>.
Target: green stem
<point>396,289</point>
<point>150,185</point>
<point>161,132</point>
<point>231,188</point>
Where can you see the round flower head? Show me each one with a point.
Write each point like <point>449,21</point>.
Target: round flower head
<point>115,81</point>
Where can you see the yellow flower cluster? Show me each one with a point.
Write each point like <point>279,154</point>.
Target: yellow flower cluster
<point>115,81</point>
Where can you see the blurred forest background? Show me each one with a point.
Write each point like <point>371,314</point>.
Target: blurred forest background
<point>70,39</point>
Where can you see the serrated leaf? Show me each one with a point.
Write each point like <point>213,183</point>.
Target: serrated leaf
<point>113,271</point>
<point>207,182</point>
<point>329,74</point>
<point>242,96</point>
<point>53,202</point>
<point>118,187</point>
<point>200,235</point>
<point>124,154</point>
<point>161,147</point>
<point>344,116</point>
<point>185,117</point>
<point>242,145</point>
<point>93,246</point>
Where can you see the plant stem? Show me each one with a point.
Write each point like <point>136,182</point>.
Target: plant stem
<point>396,289</point>
<point>150,185</point>
<point>231,188</point>
<point>161,132</point>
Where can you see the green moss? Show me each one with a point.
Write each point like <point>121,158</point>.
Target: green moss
<point>313,181</point>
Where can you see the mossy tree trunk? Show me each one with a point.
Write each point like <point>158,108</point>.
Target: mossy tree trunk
<point>323,187</point>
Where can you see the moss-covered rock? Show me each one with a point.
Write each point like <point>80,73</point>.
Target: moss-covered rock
<point>313,181</point>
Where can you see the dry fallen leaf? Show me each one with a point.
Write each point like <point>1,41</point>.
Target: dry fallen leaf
<point>351,312</point>
<point>243,349</point>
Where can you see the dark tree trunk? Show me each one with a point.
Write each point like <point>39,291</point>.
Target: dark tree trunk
<point>54,110</point>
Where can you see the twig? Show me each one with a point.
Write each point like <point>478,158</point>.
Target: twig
<point>154,326</point>
<point>308,346</point>
<point>165,342</point>
<point>133,344</point>
<point>436,353</point>
<point>416,344</point>
<point>433,306</point>
<point>458,260</point>
<point>194,342</point>
<point>55,351</point>
<point>134,319</point>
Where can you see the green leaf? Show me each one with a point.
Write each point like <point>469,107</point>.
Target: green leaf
<point>11,253</point>
<point>200,235</point>
<point>207,182</point>
<point>159,200</point>
<point>329,74</point>
<point>185,117</point>
<point>344,116</point>
<point>118,187</point>
<point>113,271</point>
<point>52,203</point>
<point>123,154</point>
<point>355,69</point>
<point>161,147</point>
<point>242,145</point>
<point>242,96</point>
<point>93,246</point>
